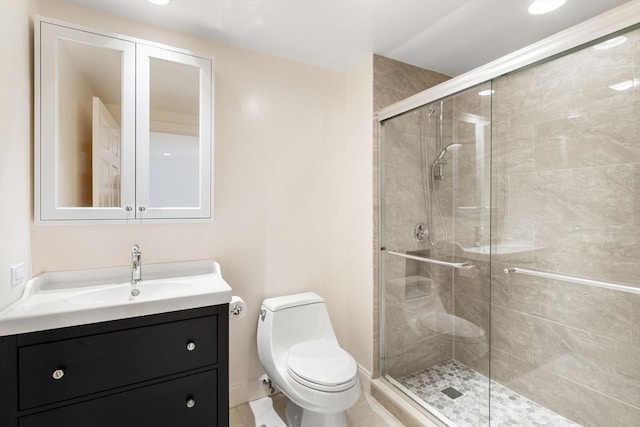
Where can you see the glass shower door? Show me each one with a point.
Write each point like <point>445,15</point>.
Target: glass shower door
<point>435,270</point>
<point>566,160</point>
<point>510,234</point>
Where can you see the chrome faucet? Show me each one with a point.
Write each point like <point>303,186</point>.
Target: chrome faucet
<point>136,269</point>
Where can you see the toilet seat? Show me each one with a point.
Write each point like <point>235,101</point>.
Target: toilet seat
<point>322,365</point>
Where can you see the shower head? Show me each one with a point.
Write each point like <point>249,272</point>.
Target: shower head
<point>445,150</point>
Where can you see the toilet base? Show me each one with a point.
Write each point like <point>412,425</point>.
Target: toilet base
<point>298,417</point>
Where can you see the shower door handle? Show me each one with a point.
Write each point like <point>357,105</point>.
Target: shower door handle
<point>459,265</point>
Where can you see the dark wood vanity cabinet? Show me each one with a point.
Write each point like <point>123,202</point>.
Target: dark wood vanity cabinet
<point>168,369</point>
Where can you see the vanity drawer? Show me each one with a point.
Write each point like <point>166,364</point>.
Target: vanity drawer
<point>94,363</point>
<point>187,402</point>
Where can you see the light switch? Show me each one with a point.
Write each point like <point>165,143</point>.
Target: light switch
<point>17,274</point>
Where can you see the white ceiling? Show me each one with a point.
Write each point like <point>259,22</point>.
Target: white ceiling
<point>448,36</point>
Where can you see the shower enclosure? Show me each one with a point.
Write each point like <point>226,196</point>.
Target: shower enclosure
<point>510,244</point>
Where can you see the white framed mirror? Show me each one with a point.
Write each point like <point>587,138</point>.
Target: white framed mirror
<point>76,71</point>
<point>172,136</point>
<point>123,128</point>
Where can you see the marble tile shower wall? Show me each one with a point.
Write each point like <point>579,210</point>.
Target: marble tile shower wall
<point>421,329</point>
<point>566,182</point>
<point>416,294</point>
<point>392,82</point>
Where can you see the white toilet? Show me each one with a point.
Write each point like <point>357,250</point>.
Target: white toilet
<point>300,353</point>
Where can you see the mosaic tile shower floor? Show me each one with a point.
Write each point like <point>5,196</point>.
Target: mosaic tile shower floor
<point>508,408</point>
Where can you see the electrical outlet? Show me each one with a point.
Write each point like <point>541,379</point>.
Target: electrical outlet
<point>17,274</point>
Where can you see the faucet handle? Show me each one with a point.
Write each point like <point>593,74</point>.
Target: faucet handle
<point>136,249</point>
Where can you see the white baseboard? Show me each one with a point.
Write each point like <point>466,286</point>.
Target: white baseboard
<point>365,379</point>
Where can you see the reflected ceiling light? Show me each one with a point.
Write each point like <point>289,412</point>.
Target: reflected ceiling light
<point>166,154</point>
<point>627,84</point>
<point>539,7</point>
<point>616,41</point>
<point>486,92</point>
<point>159,2</point>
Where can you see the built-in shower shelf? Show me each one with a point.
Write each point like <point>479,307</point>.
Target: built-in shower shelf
<point>416,287</point>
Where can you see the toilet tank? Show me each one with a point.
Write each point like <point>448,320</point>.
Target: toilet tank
<point>291,319</point>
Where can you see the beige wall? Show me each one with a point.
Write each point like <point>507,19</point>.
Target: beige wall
<point>352,298</point>
<point>15,135</point>
<point>293,175</point>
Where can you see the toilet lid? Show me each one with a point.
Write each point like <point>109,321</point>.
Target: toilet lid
<point>322,365</point>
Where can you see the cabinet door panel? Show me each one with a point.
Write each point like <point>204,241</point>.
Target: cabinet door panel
<point>102,362</point>
<point>159,405</point>
<point>76,69</point>
<point>147,154</point>
<point>173,134</point>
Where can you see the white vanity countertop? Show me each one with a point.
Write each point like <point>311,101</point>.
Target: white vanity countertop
<point>61,299</point>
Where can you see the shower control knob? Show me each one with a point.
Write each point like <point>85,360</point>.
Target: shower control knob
<point>58,374</point>
<point>191,402</point>
<point>191,346</point>
<point>421,232</point>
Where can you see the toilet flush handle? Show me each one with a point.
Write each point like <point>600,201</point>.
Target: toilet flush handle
<point>263,314</point>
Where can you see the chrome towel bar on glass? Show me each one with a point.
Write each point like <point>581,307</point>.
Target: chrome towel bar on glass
<point>461,265</point>
<point>573,279</point>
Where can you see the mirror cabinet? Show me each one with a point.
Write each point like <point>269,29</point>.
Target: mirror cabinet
<point>123,128</point>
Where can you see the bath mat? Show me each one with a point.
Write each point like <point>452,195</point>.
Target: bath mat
<point>264,414</point>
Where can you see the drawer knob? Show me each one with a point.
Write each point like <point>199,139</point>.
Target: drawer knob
<point>191,403</point>
<point>57,374</point>
<point>191,346</point>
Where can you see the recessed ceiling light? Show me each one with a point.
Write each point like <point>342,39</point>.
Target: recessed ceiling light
<point>166,154</point>
<point>539,7</point>
<point>486,92</point>
<point>616,41</point>
<point>159,2</point>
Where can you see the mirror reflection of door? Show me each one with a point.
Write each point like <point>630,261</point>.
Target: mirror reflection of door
<point>174,169</point>
<point>89,140</point>
<point>105,156</point>
<point>174,106</point>
<point>174,140</point>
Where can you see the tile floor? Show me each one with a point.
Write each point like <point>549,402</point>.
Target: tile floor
<point>471,409</point>
<point>366,413</point>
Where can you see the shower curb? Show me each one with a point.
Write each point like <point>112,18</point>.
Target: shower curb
<point>405,411</point>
